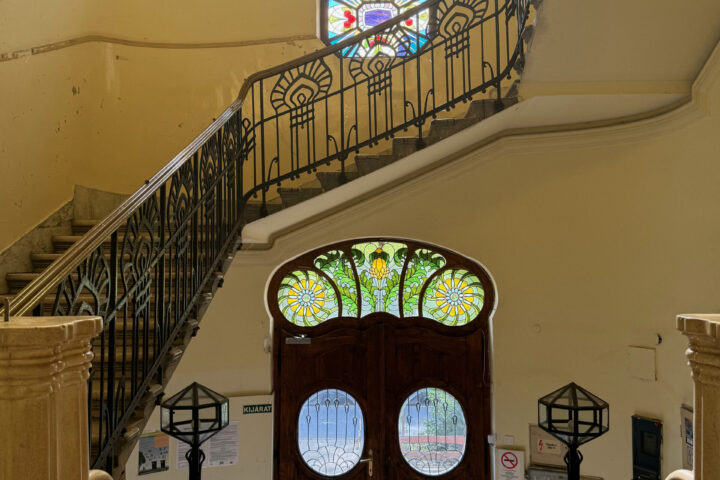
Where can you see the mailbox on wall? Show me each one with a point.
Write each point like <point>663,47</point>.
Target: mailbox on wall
<point>647,448</point>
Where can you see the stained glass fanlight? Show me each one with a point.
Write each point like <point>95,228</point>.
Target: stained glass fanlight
<point>381,276</point>
<point>348,18</point>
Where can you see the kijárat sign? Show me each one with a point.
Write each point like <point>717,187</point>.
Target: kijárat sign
<point>250,409</point>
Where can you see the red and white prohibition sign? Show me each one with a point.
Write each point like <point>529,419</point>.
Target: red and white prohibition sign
<point>509,460</point>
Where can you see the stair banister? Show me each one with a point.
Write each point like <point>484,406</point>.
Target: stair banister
<point>149,268</point>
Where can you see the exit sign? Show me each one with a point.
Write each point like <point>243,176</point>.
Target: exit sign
<point>249,409</point>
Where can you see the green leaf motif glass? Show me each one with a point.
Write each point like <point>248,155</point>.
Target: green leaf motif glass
<point>380,276</point>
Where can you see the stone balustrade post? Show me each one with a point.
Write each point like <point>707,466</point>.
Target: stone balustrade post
<point>44,367</point>
<point>703,332</point>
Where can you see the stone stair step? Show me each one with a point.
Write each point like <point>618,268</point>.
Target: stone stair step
<point>330,180</point>
<point>404,146</point>
<point>369,163</point>
<point>441,128</point>
<point>294,195</point>
<point>253,208</point>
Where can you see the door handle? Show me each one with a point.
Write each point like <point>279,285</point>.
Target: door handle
<point>369,461</point>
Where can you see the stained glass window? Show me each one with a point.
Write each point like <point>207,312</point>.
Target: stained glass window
<point>347,18</point>
<point>306,298</point>
<point>432,431</point>
<point>331,432</point>
<point>360,278</point>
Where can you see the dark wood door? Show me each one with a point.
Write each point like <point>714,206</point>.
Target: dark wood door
<point>403,374</point>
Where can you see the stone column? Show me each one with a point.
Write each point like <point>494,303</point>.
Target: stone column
<point>703,354</point>
<point>44,364</point>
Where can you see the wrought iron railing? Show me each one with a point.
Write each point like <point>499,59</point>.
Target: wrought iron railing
<point>145,267</point>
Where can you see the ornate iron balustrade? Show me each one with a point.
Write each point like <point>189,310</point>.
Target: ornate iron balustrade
<point>146,266</point>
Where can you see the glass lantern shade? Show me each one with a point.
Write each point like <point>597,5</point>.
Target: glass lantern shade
<point>194,414</point>
<point>573,415</point>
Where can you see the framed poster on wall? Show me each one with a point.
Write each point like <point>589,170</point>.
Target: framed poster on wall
<point>686,431</point>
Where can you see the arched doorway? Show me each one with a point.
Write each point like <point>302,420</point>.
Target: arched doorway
<point>381,363</point>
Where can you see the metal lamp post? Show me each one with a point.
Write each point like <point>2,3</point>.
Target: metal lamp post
<point>574,416</point>
<point>193,415</point>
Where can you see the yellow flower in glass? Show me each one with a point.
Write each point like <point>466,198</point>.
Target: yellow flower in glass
<point>454,296</point>
<point>379,268</point>
<point>306,297</point>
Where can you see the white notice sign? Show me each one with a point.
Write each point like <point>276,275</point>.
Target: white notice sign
<point>509,464</point>
<point>221,450</point>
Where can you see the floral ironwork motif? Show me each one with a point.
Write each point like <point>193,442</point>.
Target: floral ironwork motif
<point>298,89</point>
<point>454,20</point>
<point>87,290</point>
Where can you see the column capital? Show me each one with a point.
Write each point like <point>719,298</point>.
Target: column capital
<point>703,332</point>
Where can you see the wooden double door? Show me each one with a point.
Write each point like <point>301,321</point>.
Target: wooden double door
<point>382,398</point>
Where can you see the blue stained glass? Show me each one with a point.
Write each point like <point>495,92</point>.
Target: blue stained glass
<point>376,17</point>
<point>348,18</point>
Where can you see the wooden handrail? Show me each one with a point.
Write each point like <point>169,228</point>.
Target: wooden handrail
<point>24,302</point>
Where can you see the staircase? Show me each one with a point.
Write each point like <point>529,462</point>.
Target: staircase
<point>151,267</point>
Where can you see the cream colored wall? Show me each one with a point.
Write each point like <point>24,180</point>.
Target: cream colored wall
<point>214,21</point>
<point>109,116</point>
<point>595,246</point>
<point>43,143</point>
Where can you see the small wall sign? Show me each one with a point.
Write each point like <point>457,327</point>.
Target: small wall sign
<point>510,464</point>
<point>546,449</point>
<point>250,409</point>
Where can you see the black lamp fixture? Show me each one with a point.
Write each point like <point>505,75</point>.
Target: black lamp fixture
<point>193,415</point>
<point>574,416</point>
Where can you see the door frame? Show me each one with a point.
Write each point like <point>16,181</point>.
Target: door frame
<point>476,330</point>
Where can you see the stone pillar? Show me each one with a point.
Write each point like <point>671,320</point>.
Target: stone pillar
<point>44,364</point>
<point>703,354</point>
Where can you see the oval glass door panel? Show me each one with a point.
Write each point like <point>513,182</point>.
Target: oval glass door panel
<point>432,431</point>
<point>331,432</point>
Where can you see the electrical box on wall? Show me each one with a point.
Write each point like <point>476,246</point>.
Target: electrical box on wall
<point>647,448</point>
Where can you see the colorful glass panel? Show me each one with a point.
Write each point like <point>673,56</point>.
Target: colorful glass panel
<point>338,267</point>
<point>380,276</point>
<point>331,432</point>
<point>455,297</point>
<point>307,298</point>
<point>347,18</point>
<point>421,266</point>
<point>432,431</point>
<point>379,265</point>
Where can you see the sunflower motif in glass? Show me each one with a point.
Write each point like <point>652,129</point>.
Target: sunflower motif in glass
<point>347,18</point>
<point>454,297</point>
<point>307,298</point>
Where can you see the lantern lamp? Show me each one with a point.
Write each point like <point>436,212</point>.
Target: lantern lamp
<point>574,416</point>
<point>193,415</point>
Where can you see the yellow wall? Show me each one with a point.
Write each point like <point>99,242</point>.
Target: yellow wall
<point>109,116</point>
<point>595,246</point>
